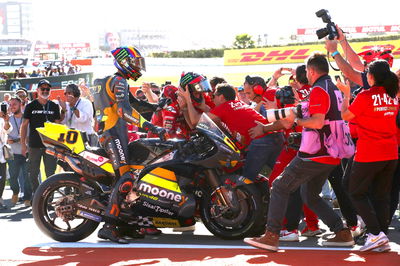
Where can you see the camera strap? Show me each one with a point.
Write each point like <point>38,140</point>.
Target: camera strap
<point>334,68</point>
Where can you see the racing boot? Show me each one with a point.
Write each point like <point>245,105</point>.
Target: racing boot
<point>110,232</point>
<point>131,232</point>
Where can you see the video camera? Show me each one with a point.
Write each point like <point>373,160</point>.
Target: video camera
<point>330,29</point>
<point>285,95</point>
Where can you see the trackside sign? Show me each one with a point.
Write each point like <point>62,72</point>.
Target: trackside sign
<point>294,54</point>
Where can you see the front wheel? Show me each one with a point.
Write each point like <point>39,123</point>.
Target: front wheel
<point>53,209</point>
<point>233,224</point>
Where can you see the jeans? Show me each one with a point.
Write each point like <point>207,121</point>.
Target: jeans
<point>311,176</point>
<point>369,189</point>
<point>15,167</point>
<point>3,177</point>
<point>343,198</point>
<point>262,151</point>
<point>35,156</point>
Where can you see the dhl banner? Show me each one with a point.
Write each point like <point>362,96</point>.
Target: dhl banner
<point>295,54</point>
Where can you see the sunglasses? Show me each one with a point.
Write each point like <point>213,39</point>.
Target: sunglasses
<point>45,89</point>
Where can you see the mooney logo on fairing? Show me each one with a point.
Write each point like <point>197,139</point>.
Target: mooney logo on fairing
<point>162,193</point>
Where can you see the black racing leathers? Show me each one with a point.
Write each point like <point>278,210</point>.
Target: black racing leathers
<point>113,112</point>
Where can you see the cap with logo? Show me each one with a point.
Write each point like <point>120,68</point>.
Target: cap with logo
<point>44,82</point>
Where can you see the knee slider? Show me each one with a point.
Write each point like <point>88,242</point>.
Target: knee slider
<point>126,187</point>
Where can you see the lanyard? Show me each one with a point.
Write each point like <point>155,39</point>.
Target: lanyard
<point>72,112</point>
<point>46,110</point>
<point>18,126</point>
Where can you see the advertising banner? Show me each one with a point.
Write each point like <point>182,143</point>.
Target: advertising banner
<point>58,82</point>
<point>295,53</point>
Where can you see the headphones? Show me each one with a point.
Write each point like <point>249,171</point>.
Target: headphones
<point>255,82</point>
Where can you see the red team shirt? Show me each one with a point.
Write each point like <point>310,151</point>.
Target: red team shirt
<point>376,125</point>
<point>320,104</point>
<point>239,118</point>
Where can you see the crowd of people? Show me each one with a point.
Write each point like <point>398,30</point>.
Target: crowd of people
<point>313,131</point>
<point>47,71</point>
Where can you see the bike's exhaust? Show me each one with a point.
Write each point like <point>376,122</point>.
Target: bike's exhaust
<point>72,162</point>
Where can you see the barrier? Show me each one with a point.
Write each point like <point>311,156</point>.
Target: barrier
<point>58,82</point>
<point>294,54</point>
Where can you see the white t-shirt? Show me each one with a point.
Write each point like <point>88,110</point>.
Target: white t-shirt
<point>85,121</point>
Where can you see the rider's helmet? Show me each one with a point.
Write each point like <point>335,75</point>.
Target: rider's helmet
<point>169,91</point>
<point>377,53</point>
<point>129,61</point>
<point>195,83</point>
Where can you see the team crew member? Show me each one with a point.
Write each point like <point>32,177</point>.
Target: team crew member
<point>377,150</point>
<point>36,113</point>
<point>112,103</point>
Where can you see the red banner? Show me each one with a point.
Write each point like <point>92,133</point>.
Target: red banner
<point>357,29</point>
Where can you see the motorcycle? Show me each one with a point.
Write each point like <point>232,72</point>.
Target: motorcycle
<point>178,181</point>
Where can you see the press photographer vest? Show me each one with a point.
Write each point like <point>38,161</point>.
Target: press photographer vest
<point>333,139</point>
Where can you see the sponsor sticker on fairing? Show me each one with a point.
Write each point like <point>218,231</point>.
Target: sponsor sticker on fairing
<point>94,158</point>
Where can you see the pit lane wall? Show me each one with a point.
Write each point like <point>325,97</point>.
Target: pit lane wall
<point>295,54</point>
<point>57,82</point>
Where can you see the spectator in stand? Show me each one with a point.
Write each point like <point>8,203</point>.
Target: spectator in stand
<point>61,71</point>
<point>78,112</point>
<point>377,150</point>
<point>34,74</point>
<point>36,113</point>
<point>71,70</point>
<point>22,73</point>
<point>16,74</point>
<point>311,167</point>
<point>5,128</point>
<point>54,72</point>
<point>17,165</point>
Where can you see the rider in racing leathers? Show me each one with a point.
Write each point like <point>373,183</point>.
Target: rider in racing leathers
<point>113,112</point>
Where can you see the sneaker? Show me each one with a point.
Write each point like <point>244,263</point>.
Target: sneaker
<point>374,241</point>
<point>269,241</point>
<point>382,249</point>
<point>355,231</point>
<point>289,235</point>
<point>110,232</point>
<point>27,203</point>
<point>343,238</point>
<point>308,232</point>
<point>14,200</point>
<point>130,232</point>
<point>184,229</point>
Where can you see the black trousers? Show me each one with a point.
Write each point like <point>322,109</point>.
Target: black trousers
<point>3,167</point>
<point>34,158</point>
<point>374,178</point>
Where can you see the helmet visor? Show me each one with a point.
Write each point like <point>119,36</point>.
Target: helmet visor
<point>202,86</point>
<point>137,63</point>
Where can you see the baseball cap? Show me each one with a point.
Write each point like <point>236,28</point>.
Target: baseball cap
<point>44,82</point>
<point>21,90</point>
<point>240,88</point>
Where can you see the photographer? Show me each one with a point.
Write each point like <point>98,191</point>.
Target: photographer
<point>377,149</point>
<point>312,165</point>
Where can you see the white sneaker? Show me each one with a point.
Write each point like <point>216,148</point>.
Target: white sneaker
<point>382,249</point>
<point>355,231</point>
<point>289,235</point>
<point>184,229</point>
<point>374,241</point>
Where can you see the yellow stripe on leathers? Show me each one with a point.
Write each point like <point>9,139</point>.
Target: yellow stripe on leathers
<point>152,178</point>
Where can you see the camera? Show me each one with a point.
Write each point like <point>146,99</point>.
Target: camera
<point>330,29</point>
<point>294,140</point>
<point>285,95</point>
<point>278,114</point>
<point>4,108</point>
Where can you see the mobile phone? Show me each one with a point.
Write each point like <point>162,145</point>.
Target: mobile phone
<point>286,71</point>
<point>3,108</point>
<point>338,78</point>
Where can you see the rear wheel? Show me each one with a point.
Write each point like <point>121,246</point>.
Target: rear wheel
<point>54,207</point>
<point>233,224</point>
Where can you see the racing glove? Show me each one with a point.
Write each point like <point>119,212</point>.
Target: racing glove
<point>159,131</point>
